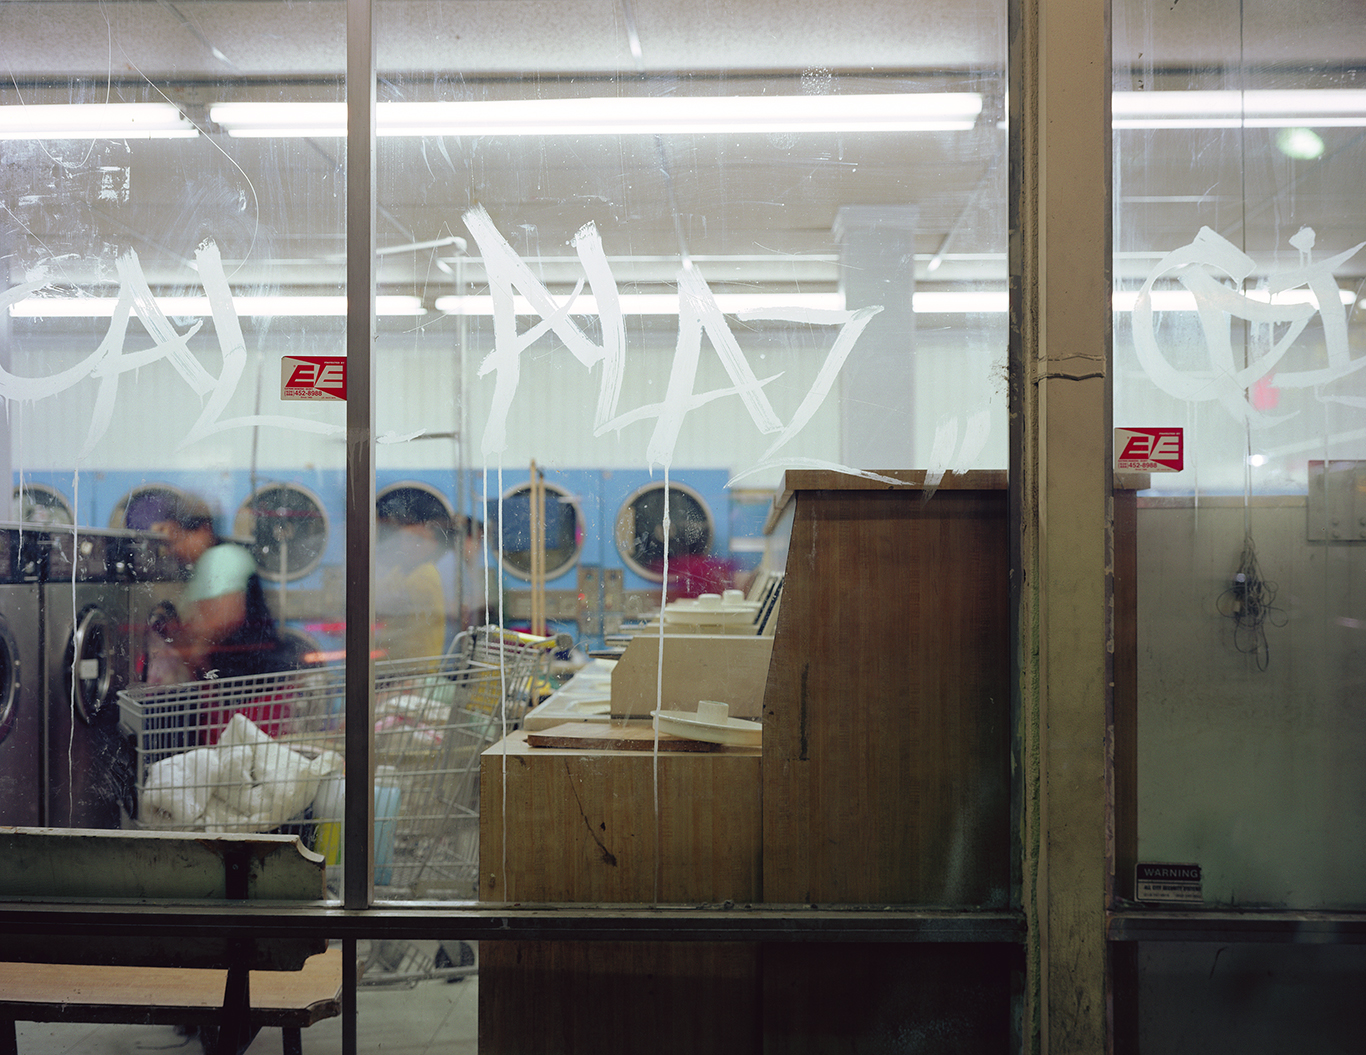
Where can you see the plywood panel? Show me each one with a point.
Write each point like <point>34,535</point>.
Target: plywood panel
<point>581,825</point>
<point>838,998</point>
<point>886,713</point>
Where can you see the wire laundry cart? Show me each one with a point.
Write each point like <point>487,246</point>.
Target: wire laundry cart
<point>267,753</point>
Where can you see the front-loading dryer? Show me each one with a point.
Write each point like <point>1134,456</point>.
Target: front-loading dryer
<point>85,621</point>
<point>156,581</point>
<point>21,710</point>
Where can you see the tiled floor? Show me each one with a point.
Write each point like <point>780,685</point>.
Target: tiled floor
<point>429,1018</point>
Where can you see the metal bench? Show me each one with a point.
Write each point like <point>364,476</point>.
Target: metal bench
<point>203,982</point>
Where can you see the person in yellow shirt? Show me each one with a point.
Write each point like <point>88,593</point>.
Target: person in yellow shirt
<point>413,530</point>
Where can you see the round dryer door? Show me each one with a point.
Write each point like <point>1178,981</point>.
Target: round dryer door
<point>641,531</point>
<point>9,681</point>
<point>38,504</point>
<point>91,660</point>
<point>564,530</point>
<point>287,528</point>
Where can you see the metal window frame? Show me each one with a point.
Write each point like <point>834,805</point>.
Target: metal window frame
<point>1059,365</point>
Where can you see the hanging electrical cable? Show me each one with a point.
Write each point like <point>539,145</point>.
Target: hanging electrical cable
<point>1250,603</point>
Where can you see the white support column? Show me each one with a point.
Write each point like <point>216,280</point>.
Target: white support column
<point>877,266</point>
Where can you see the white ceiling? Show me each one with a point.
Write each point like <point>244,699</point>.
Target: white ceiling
<point>755,210</point>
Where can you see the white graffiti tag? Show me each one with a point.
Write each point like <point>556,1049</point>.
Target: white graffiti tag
<point>698,314</point>
<point>111,359</point>
<point>1199,267</point>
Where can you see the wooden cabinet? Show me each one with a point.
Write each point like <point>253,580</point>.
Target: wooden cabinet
<point>887,710</point>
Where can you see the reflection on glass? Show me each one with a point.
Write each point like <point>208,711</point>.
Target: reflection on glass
<point>1239,256</point>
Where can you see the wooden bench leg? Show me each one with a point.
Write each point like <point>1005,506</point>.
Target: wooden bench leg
<point>9,1038</point>
<point>292,1037</point>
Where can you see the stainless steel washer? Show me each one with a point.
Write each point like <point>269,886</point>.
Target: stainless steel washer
<point>21,710</point>
<point>156,581</point>
<point>86,661</point>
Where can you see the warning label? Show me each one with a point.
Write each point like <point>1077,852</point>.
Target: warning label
<point>1158,882</point>
<point>308,377</point>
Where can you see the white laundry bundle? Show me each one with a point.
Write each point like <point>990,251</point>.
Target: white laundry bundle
<point>428,710</point>
<point>246,783</point>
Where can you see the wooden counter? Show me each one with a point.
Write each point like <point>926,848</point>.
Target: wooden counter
<point>581,825</point>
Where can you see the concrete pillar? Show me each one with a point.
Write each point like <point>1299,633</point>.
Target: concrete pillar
<point>1061,412</point>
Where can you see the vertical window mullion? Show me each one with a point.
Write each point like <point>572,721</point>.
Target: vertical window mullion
<point>357,891</point>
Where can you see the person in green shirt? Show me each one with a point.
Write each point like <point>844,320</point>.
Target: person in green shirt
<point>224,627</point>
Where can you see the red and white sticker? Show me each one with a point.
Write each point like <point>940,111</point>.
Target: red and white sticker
<point>1150,450</point>
<point>310,377</point>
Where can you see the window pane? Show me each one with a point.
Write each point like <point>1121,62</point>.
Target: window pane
<point>180,513</point>
<point>1238,271</point>
<point>1253,998</point>
<point>659,265</point>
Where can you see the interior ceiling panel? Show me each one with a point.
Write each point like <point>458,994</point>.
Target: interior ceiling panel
<point>210,38</point>
<point>762,214</point>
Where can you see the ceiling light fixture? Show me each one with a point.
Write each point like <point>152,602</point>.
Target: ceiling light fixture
<point>679,115</point>
<point>1182,300</point>
<point>1261,108</point>
<point>179,307</point>
<point>923,302</point>
<point>951,302</point>
<point>94,121</point>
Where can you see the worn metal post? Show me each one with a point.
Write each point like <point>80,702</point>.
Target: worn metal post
<point>360,448</point>
<point>1061,411</point>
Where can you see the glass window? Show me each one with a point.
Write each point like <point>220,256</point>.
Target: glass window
<point>180,506</point>
<point>1238,331</point>
<point>625,255</point>
<point>649,266</point>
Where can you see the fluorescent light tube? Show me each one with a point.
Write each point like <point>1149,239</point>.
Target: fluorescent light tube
<point>1183,300</point>
<point>679,115</point>
<point>94,121</point>
<point>1295,108</point>
<point>924,302</point>
<point>257,307</point>
<point>960,301</point>
<point>650,303</point>
<point>934,302</point>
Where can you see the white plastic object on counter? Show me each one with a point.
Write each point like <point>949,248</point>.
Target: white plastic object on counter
<point>710,722</point>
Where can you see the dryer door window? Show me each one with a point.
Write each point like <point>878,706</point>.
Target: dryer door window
<point>641,528</point>
<point>9,681</point>
<point>90,663</point>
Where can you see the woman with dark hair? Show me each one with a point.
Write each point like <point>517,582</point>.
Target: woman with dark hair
<point>225,627</point>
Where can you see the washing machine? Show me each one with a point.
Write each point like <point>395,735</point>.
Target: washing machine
<point>86,660</point>
<point>21,711</point>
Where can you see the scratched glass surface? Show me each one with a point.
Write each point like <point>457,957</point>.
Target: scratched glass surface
<point>1239,265</point>
<point>634,264</point>
<point>665,256</point>
<point>158,271</point>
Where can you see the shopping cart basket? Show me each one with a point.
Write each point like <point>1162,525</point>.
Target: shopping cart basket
<point>252,754</point>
